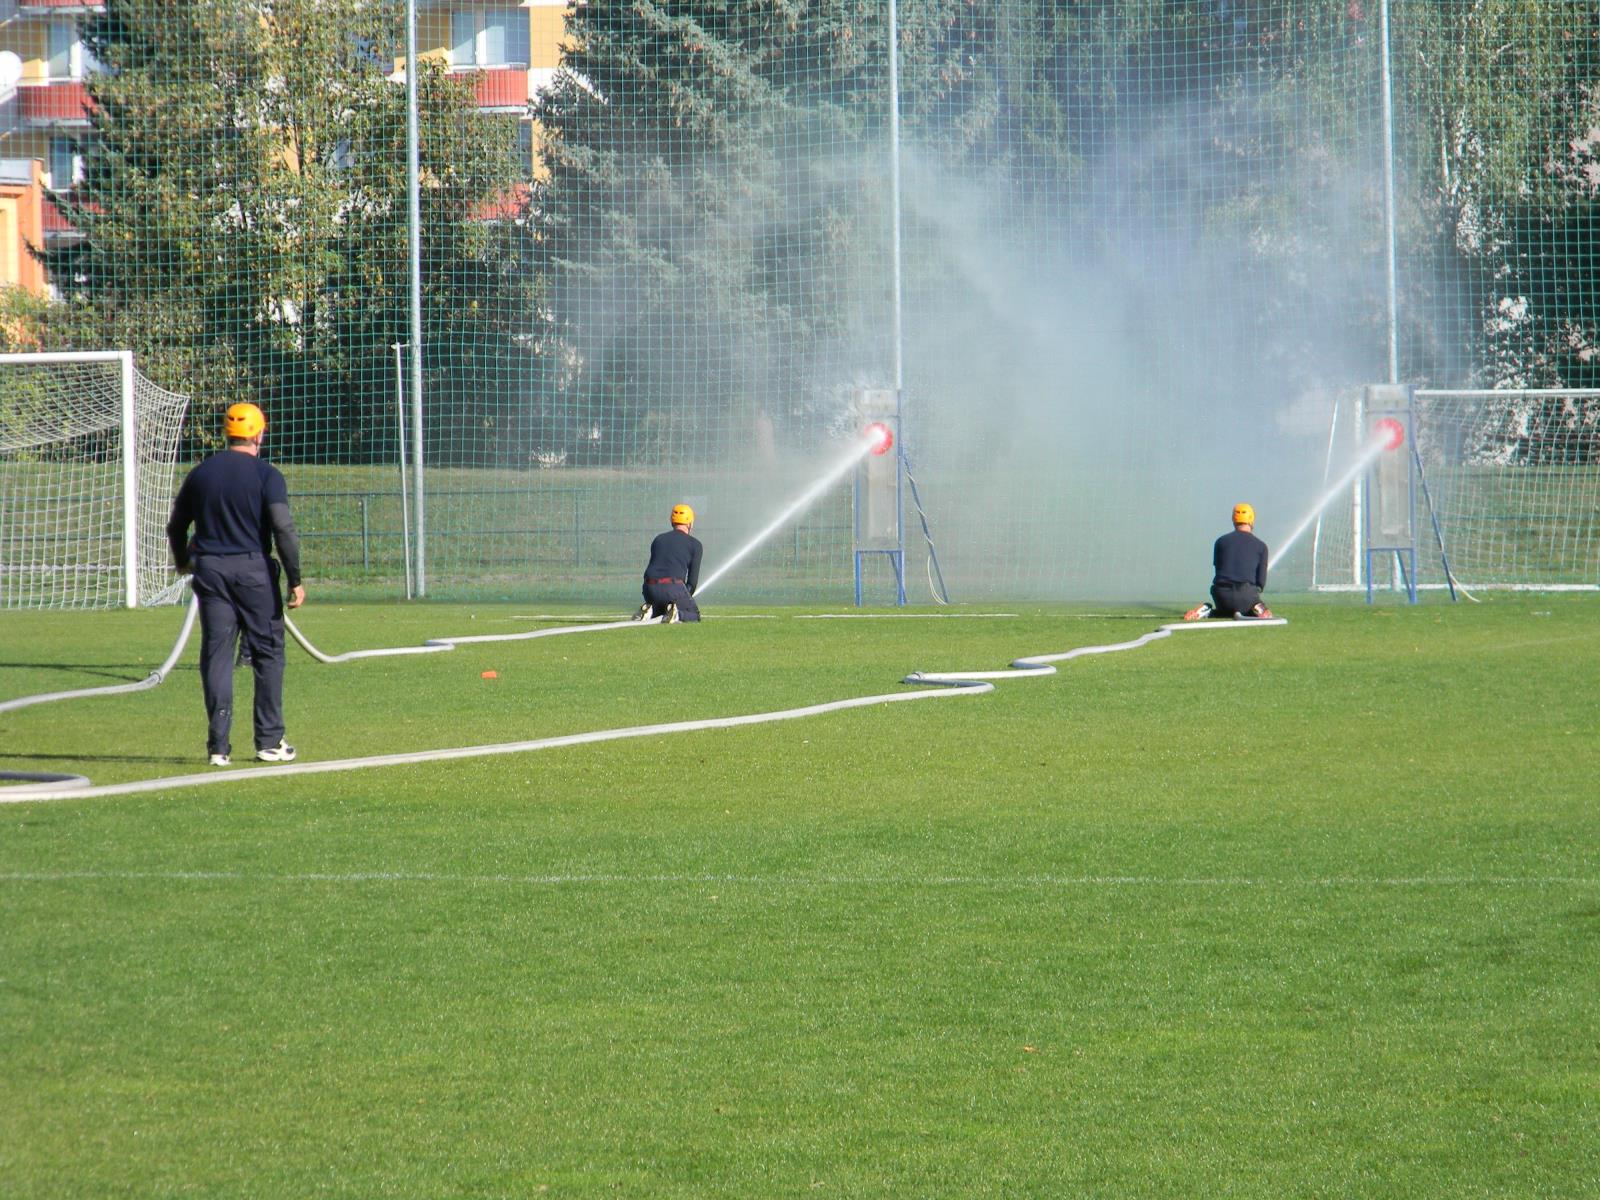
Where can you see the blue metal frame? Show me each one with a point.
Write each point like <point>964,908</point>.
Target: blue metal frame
<point>897,560</point>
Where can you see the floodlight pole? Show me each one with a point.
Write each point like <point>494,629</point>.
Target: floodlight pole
<point>405,490</point>
<point>414,237</point>
<point>897,349</point>
<point>1392,299</point>
<point>896,319</point>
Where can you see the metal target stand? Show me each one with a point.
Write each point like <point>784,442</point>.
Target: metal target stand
<point>879,498</point>
<point>1389,494</point>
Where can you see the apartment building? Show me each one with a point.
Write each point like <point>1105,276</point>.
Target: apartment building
<point>510,47</point>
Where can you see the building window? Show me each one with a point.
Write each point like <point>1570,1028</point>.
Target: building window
<point>66,164</point>
<point>488,37</point>
<point>68,58</point>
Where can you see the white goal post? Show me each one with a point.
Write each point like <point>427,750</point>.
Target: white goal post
<point>1513,478</point>
<point>88,458</point>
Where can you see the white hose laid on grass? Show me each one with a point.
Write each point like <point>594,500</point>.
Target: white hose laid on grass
<point>151,680</point>
<point>947,685</point>
<point>431,646</point>
<point>1039,664</point>
<point>438,645</point>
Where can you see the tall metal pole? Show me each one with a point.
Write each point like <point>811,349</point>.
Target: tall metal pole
<point>405,490</point>
<point>897,349</point>
<point>1388,200</point>
<point>896,326</point>
<point>414,199</point>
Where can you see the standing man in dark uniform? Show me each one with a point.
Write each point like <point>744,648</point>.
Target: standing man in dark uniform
<point>1239,560</point>
<point>673,572</point>
<point>239,506</point>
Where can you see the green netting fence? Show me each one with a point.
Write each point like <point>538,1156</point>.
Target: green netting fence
<point>1138,251</point>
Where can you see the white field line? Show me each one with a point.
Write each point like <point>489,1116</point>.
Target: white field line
<point>898,616</point>
<point>1460,586</point>
<point>608,616</point>
<point>615,617</point>
<point>1014,882</point>
<point>948,685</point>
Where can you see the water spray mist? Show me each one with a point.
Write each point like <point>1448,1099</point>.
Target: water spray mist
<point>1387,434</point>
<point>876,439</point>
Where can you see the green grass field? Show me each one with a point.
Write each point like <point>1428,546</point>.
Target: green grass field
<point>1309,912</point>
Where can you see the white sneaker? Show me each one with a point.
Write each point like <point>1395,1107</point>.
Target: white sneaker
<point>220,760</point>
<point>643,614</point>
<point>282,752</point>
<point>672,614</point>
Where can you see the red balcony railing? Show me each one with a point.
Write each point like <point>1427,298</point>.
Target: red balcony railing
<point>52,220</point>
<point>501,87</point>
<point>55,6</point>
<point>507,206</point>
<point>60,102</point>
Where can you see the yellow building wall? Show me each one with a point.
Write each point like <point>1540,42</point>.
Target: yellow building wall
<point>10,240</point>
<point>20,226</point>
<point>547,26</point>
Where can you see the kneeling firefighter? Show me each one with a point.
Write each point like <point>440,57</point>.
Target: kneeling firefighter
<point>673,572</point>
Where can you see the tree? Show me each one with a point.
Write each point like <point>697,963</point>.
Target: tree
<point>702,217</point>
<point>1496,107</point>
<point>243,216</point>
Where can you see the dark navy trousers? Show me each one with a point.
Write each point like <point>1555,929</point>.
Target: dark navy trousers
<point>1230,599</point>
<point>238,595</point>
<point>658,594</point>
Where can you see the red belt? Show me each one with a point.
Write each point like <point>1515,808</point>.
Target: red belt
<point>669,579</point>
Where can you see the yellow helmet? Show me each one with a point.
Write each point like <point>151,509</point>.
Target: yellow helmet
<point>682,514</point>
<point>1244,514</point>
<point>243,421</point>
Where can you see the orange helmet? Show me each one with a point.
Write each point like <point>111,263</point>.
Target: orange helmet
<point>682,514</point>
<point>243,421</point>
<point>1244,514</point>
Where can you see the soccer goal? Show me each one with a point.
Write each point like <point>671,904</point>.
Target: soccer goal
<point>1513,478</point>
<point>88,455</point>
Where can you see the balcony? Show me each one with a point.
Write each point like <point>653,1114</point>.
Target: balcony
<point>508,206</point>
<point>56,227</point>
<point>19,172</point>
<point>60,104</point>
<point>501,89</point>
<point>53,8</point>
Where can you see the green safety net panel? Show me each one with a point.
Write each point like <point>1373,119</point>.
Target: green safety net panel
<point>1139,252</point>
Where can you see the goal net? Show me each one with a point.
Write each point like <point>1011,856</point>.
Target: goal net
<point>88,455</point>
<point>1514,481</point>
